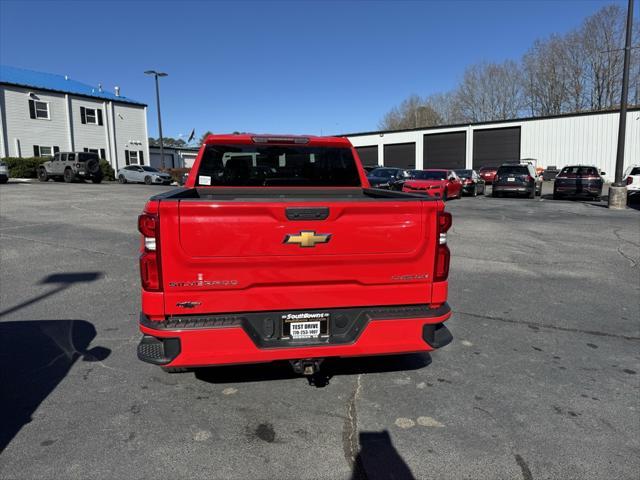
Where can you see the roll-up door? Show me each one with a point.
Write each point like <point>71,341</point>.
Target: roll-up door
<point>368,155</point>
<point>495,146</point>
<point>401,155</point>
<point>445,150</point>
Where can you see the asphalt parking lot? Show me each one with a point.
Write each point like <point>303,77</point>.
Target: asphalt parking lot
<point>541,381</point>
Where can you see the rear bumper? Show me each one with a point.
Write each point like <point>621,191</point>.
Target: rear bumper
<point>226,341</point>
<point>577,188</point>
<point>513,188</point>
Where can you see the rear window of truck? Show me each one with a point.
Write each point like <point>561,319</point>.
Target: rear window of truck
<point>277,166</point>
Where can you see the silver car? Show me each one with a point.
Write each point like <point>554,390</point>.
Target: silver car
<point>143,174</point>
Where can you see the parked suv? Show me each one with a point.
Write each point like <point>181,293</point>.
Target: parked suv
<point>518,179</point>
<point>71,166</point>
<point>632,179</point>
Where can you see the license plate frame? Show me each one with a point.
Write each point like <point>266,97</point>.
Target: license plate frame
<point>316,321</point>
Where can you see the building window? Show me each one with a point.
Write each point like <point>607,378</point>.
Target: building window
<point>39,110</point>
<point>100,151</point>
<point>131,157</point>
<point>44,150</point>
<point>134,157</point>
<point>92,116</point>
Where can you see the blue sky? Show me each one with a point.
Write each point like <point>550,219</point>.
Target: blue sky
<point>283,67</point>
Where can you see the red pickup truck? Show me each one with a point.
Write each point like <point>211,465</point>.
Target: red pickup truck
<point>278,249</point>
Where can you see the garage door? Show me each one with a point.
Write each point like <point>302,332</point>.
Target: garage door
<point>445,150</point>
<point>368,155</point>
<point>401,155</point>
<point>495,146</point>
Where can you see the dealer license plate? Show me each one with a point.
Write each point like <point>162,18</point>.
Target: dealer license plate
<point>511,179</point>
<point>304,329</point>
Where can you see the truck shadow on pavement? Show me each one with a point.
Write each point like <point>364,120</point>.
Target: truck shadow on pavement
<point>35,355</point>
<point>330,367</point>
<point>34,358</point>
<point>62,282</point>
<point>378,459</point>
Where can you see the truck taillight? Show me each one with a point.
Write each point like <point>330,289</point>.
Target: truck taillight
<point>150,271</point>
<point>443,255</point>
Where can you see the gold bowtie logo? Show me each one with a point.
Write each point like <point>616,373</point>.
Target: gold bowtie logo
<point>308,239</point>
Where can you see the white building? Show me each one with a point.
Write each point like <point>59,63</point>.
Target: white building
<point>586,138</point>
<point>41,113</point>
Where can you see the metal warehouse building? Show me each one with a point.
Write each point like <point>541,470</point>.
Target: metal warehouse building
<point>42,113</point>
<point>586,138</point>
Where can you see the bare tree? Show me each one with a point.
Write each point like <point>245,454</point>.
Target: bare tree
<point>413,112</point>
<point>603,39</point>
<point>490,91</point>
<point>545,79</point>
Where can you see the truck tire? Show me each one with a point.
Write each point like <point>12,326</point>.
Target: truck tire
<point>96,178</point>
<point>121,179</point>
<point>147,180</point>
<point>42,175</point>
<point>69,176</point>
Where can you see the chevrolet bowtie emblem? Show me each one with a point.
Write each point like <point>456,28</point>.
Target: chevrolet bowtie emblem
<point>308,239</point>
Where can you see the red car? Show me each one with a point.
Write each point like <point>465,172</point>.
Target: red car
<point>278,249</point>
<point>442,184</point>
<point>488,174</point>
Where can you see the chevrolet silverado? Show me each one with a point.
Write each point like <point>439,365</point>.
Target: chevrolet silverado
<point>277,248</point>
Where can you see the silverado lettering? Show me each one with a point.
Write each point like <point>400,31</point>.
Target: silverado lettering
<point>312,249</point>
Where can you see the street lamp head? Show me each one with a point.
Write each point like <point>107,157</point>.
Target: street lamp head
<point>162,74</point>
<point>157,74</point>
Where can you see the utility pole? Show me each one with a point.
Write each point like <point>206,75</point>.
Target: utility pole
<point>618,191</point>
<point>156,75</point>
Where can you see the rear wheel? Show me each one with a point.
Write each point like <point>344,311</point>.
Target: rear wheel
<point>68,175</point>
<point>42,175</point>
<point>96,179</point>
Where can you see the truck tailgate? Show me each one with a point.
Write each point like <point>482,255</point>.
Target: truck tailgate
<point>241,256</point>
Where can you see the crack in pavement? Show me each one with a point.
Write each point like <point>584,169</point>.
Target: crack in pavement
<point>633,261</point>
<point>546,325</point>
<point>526,472</point>
<point>350,429</point>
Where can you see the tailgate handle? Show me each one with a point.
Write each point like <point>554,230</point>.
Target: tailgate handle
<point>304,213</point>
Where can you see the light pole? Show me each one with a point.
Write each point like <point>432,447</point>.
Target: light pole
<point>618,191</point>
<point>156,75</point>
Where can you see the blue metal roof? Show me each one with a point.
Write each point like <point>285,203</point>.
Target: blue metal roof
<point>56,83</point>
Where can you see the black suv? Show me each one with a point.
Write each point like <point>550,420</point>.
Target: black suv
<point>519,179</point>
<point>578,180</point>
<point>71,166</point>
